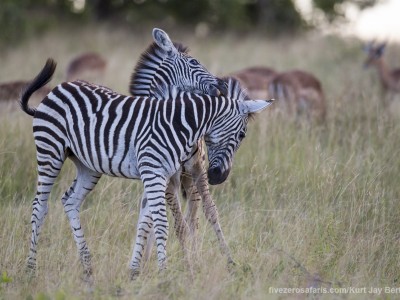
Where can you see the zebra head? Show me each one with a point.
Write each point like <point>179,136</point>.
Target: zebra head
<point>229,130</point>
<point>168,63</point>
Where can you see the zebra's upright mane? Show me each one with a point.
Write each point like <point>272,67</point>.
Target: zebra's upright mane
<point>235,90</point>
<point>148,63</point>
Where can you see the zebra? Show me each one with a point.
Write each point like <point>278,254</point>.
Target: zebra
<point>167,63</point>
<point>104,132</point>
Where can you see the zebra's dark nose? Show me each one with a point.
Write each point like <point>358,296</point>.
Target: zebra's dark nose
<point>216,175</point>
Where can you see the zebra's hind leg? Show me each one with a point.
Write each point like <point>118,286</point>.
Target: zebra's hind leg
<point>48,170</point>
<point>84,182</point>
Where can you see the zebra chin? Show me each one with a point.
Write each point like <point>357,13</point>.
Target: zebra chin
<point>216,175</point>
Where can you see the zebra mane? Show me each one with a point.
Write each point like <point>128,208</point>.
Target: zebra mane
<point>148,61</point>
<point>235,90</point>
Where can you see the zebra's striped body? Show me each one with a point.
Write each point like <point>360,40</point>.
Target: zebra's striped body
<point>103,132</point>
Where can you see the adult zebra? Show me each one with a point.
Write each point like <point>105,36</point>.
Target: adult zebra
<point>103,132</point>
<point>167,63</point>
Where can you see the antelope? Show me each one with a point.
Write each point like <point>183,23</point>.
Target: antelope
<point>255,80</point>
<point>11,91</point>
<point>390,78</point>
<point>88,65</point>
<point>300,92</point>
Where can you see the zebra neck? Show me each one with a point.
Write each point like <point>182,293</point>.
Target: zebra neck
<point>205,112</point>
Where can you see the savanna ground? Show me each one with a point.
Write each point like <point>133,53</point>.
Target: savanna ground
<point>304,206</point>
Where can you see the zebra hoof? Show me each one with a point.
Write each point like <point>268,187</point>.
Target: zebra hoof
<point>88,277</point>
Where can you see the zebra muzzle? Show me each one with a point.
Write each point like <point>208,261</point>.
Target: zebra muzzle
<point>216,175</point>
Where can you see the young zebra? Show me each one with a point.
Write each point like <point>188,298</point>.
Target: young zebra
<point>103,132</point>
<point>168,64</point>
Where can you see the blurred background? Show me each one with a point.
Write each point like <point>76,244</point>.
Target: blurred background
<point>20,19</point>
<point>325,193</point>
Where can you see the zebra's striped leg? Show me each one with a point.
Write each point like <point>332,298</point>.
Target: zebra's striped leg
<point>84,182</point>
<point>171,196</point>
<point>48,172</point>
<point>144,238</point>
<point>194,199</point>
<point>210,209</point>
<point>155,186</point>
<point>151,238</point>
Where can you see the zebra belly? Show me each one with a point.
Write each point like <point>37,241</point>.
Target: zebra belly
<point>115,165</point>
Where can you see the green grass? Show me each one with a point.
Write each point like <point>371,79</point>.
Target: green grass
<point>303,205</point>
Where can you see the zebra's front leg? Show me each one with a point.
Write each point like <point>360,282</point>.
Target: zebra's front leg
<point>144,238</point>
<point>84,182</point>
<point>172,198</point>
<point>193,199</point>
<point>209,207</point>
<point>155,187</point>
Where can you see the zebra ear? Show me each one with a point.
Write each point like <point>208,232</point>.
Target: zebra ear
<point>253,106</point>
<point>162,40</point>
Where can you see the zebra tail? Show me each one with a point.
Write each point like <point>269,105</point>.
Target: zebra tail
<point>39,81</point>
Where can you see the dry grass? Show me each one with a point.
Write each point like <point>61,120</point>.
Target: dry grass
<point>304,206</point>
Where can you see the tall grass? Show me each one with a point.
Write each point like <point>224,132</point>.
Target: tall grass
<point>304,205</point>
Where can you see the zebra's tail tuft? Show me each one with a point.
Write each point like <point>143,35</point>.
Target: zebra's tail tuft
<point>39,81</point>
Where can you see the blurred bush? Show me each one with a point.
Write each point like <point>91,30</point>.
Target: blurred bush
<point>20,18</point>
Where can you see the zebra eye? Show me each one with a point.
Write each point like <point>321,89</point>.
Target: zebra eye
<point>194,62</point>
<point>242,135</point>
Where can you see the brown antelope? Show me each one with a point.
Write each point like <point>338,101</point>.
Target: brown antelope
<point>300,92</point>
<point>255,80</point>
<point>11,91</point>
<point>89,66</point>
<point>390,78</point>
